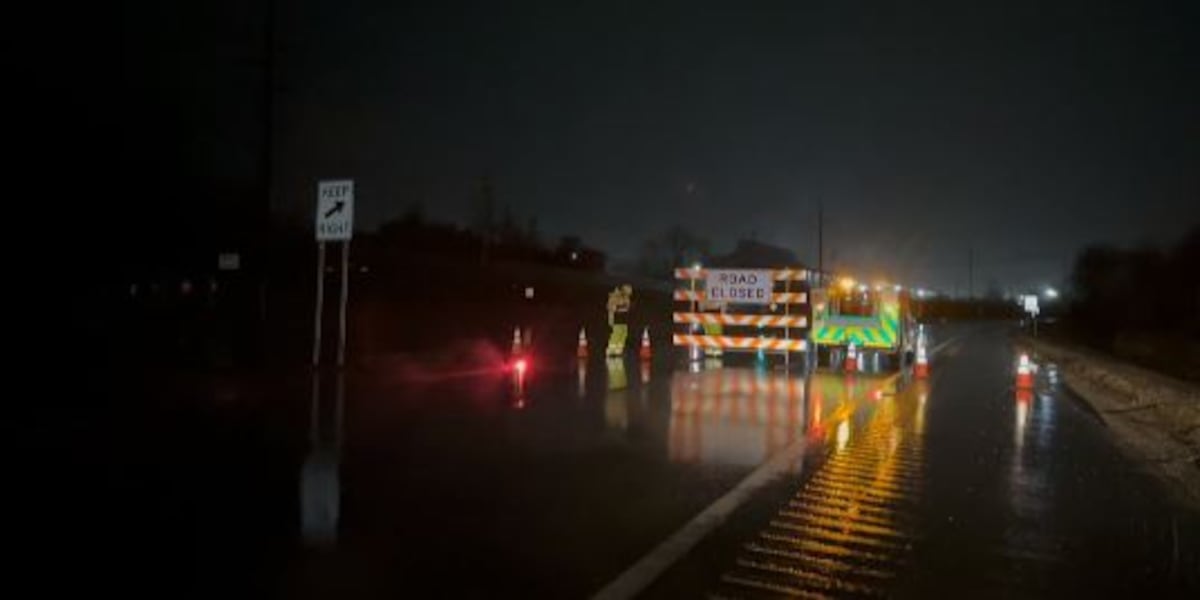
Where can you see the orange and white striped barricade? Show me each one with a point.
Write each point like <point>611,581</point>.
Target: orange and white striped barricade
<point>764,309</point>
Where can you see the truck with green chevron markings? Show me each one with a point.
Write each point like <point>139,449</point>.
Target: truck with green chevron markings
<point>876,320</point>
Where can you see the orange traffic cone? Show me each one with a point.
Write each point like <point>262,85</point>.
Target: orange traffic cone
<point>1024,373</point>
<point>518,347</point>
<point>581,378</point>
<point>921,367</point>
<point>581,351</point>
<point>851,358</point>
<point>644,352</point>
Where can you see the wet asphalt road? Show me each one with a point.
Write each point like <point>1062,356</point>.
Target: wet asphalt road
<point>435,480</point>
<point>959,486</point>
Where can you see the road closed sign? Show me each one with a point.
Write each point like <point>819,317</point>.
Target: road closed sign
<point>335,210</point>
<point>739,286</point>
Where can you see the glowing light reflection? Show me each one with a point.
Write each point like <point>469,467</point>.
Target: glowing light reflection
<point>733,416</point>
<point>843,435</point>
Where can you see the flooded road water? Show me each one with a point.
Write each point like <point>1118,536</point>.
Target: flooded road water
<point>403,481</point>
<point>483,485</point>
<point>966,484</point>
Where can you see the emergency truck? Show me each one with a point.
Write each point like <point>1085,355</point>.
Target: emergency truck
<point>877,320</point>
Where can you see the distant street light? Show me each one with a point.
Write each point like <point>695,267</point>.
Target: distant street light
<point>1051,293</point>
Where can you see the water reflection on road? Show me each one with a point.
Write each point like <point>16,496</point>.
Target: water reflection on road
<point>850,526</point>
<point>320,474</point>
<point>733,416</point>
<point>616,401</point>
<point>742,416</point>
<point>987,484</point>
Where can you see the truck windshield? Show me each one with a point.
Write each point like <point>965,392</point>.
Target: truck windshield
<point>853,304</point>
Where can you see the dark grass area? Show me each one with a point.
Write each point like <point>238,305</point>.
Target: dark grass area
<point>1173,354</point>
<point>160,484</point>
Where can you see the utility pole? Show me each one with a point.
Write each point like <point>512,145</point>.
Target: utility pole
<point>268,107</point>
<point>820,239</point>
<point>486,218</point>
<point>970,272</point>
<point>262,229</point>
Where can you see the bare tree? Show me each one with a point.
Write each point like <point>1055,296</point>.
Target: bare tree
<point>484,219</point>
<point>673,248</point>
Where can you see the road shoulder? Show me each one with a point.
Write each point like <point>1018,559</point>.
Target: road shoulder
<point>1155,418</point>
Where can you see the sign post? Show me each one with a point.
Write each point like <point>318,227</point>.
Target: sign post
<point>316,354</point>
<point>787,331</point>
<point>1030,303</point>
<point>229,261</point>
<point>334,222</point>
<point>341,347</point>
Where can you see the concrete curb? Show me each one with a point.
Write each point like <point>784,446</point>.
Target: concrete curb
<point>1155,418</point>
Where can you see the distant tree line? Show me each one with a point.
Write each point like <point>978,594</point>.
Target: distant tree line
<point>929,309</point>
<point>413,234</point>
<point>1146,291</point>
<point>674,247</point>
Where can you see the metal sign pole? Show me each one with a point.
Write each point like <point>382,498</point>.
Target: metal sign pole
<point>694,329</point>
<point>339,414</point>
<point>334,222</point>
<point>341,350</point>
<point>314,417</point>
<point>316,353</point>
<point>692,282</point>
<point>811,354</point>
<point>787,312</point>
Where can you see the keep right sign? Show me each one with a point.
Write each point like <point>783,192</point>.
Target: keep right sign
<point>335,210</point>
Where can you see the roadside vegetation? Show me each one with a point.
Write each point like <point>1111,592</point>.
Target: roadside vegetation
<point>1140,304</point>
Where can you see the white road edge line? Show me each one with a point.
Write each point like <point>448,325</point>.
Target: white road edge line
<point>941,346</point>
<point>646,571</point>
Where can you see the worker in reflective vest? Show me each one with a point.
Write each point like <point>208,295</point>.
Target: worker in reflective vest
<point>619,301</point>
<point>713,329</point>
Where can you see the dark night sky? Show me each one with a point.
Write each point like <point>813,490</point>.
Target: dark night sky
<point>1021,128</point>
